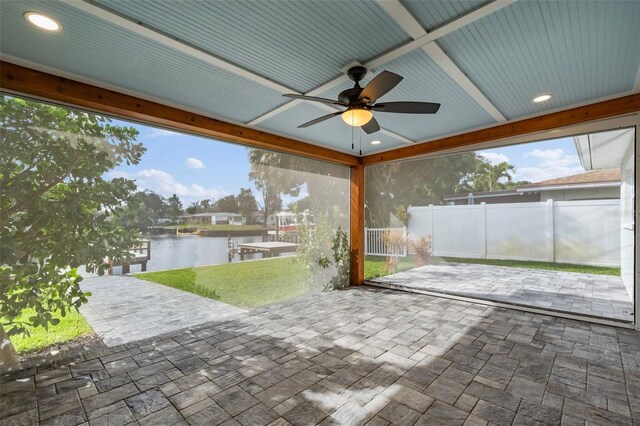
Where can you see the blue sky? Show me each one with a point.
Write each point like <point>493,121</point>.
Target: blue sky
<point>539,161</point>
<point>196,168</point>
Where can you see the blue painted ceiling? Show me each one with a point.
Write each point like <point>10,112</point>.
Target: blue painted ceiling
<point>578,51</point>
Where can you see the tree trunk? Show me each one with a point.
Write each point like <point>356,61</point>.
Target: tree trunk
<point>8,359</point>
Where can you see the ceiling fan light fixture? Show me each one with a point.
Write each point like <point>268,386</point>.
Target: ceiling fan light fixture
<point>357,117</point>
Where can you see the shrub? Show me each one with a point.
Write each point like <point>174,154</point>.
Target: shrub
<point>420,249</point>
<point>395,243</point>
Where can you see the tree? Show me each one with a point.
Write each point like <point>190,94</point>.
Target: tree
<point>246,202</point>
<point>155,203</point>
<point>270,173</point>
<point>489,177</point>
<point>413,183</point>
<point>56,206</point>
<point>174,207</point>
<point>206,205</point>
<point>227,204</point>
<point>193,208</point>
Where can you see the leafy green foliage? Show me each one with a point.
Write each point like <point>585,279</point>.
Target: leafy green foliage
<point>174,207</point>
<point>56,206</point>
<point>391,187</point>
<point>324,250</point>
<point>246,202</point>
<point>274,174</point>
<point>70,327</point>
<point>341,260</point>
<point>491,177</point>
<point>228,204</point>
<point>413,183</point>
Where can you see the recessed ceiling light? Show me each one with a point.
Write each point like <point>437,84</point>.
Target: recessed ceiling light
<point>542,98</point>
<point>42,21</point>
<point>376,142</point>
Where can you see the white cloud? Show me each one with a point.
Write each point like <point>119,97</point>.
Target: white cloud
<point>161,132</point>
<point>552,163</point>
<point>166,184</point>
<point>194,163</point>
<point>537,174</point>
<point>494,158</point>
<point>554,157</point>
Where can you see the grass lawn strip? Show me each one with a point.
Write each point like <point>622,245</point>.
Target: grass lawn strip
<point>71,326</point>
<point>245,284</point>
<point>551,266</point>
<point>375,265</point>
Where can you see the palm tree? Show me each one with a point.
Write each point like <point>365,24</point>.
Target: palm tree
<point>489,177</point>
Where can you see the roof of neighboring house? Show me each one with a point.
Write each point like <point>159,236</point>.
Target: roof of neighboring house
<point>486,194</point>
<point>210,214</point>
<point>592,179</point>
<point>226,214</point>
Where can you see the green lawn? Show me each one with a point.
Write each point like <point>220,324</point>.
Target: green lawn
<point>211,227</point>
<point>247,284</point>
<point>374,265</point>
<point>552,266</point>
<point>72,326</point>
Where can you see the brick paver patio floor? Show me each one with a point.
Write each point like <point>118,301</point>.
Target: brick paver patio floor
<point>584,294</point>
<point>356,356</point>
<point>123,309</point>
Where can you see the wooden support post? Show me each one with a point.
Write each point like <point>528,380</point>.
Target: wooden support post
<point>357,225</point>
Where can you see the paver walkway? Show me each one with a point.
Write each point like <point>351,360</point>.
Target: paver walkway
<point>124,309</point>
<point>585,294</point>
<point>357,356</point>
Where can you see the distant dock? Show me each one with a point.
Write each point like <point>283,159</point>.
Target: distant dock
<point>140,255</point>
<point>267,249</point>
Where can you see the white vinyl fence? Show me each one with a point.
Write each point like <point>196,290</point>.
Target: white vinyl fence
<point>374,244</point>
<point>583,232</point>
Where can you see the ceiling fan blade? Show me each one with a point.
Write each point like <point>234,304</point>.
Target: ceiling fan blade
<point>380,85</point>
<point>371,126</point>
<point>408,107</point>
<point>319,119</point>
<point>313,99</point>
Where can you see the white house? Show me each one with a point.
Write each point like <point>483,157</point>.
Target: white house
<point>603,184</point>
<point>215,218</point>
<point>616,149</point>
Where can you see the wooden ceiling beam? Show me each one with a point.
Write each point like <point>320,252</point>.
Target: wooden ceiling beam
<point>596,111</point>
<point>32,83</point>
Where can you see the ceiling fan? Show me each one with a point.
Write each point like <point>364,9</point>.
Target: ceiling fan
<point>361,102</point>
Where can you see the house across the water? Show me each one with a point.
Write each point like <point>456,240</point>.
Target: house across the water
<point>215,218</point>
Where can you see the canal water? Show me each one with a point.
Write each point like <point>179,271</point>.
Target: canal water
<point>182,251</point>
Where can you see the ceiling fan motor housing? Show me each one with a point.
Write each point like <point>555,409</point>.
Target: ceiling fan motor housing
<point>357,73</point>
<point>351,96</point>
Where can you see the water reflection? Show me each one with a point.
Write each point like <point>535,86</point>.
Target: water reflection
<point>173,251</point>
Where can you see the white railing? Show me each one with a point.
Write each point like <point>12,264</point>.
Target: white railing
<point>375,245</point>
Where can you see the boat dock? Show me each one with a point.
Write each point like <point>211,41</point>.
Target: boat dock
<point>268,249</point>
<point>140,255</point>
